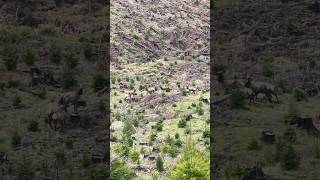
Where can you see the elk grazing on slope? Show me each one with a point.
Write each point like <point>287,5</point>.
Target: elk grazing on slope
<point>264,88</point>
<point>73,98</point>
<point>57,114</point>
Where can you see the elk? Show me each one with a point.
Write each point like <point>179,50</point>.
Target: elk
<point>261,87</point>
<point>249,93</point>
<point>73,98</point>
<point>57,114</point>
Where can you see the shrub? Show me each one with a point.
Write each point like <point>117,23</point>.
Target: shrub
<point>29,57</point>
<point>102,106</point>
<point>254,145</point>
<point>13,83</point>
<point>290,135</point>
<point>87,52</point>
<point>177,136</point>
<point>159,126</point>
<point>119,170</point>
<point>55,54</point>
<point>98,172</point>
<point>178,143</point>
<point>9,57</point>
<point>33,126</point>
<point>69,144</point>
<point>159,164</point>
<point>317,150</point>
<point>217,68</point>
<point>299,94</point>
<point>122,150</point>
<point>67,78</point>
<point>292,113</point>
<point>183,91</point>
<point>197,167</point>
<point>141,87</point>
<point>154,175</point>
<point>99,82</point>
<point>289,158</point>
<point>71,61</point>
<point>16,102</point>
<point>25,169</point>
<point>206,133</point>
<point>61,158</point>
<point>238,99</point>
<point>85,161</point>
<point>178,83</point>
<point>15,139</point>
<point>267,69</point>
<point>113,79</point>
<point>199,110</point>
<point>182,123</point>
<point>134,155</point>
<point>278,149</point>
<point>193,83</point>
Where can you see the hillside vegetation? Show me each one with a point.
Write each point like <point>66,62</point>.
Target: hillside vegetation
<point>266,69</point>
<point>160,89</point>
<point>49,51</point>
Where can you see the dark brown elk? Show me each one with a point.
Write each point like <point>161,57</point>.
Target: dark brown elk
<point>262,88</point>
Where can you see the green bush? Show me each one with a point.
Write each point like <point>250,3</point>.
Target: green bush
<point>159,126</point>
<point>267,69</point>
<point>290,135</point>
<point>71,61</point>
<point>102,106</point>
<point>299,94</point>
<point>292,113</point>
<point>24,170</point>
<point>134,155</point>
<point>182,123</point>
<point>159,164</point>
<point>16,102</point>
<point>254,145</point>
<point>192,165</point>
<point>10,58</point>
<point>206,133</point>
<point>183,92</point>
<point>55,54</point>
<point>67,78</point>
<point>15,139</point>
<point>29,57</point>
<point>99,82</point>
<point>217,68</point>
<point>238,99</point>
<point>69,144</point>
<point>120,171</point>
<point>33,126</point>
<point>88,52</point>
<point>289,159</point>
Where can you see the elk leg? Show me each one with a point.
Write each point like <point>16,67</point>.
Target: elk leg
<point>50,121</point>
<point>277,98</point>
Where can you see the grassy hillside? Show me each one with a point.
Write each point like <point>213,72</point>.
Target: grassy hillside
<point>159,50</point>
<point>274,43</point>
<point>65,40</point>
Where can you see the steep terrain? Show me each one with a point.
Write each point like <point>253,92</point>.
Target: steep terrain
<point>274,43</point>
<point>160,83</point>
<point>50,49</point>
